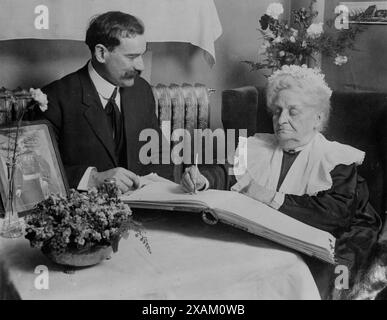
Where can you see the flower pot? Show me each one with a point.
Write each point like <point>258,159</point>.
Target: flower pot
<point>80,258</point>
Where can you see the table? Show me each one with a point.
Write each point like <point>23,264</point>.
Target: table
<point>189,260</point>
<point>196,22</point>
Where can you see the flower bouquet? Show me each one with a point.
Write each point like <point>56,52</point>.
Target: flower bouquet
<point>82,229</point>
<point>301,43</point>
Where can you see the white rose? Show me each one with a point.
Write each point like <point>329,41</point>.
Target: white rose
<point>274,10</point>
<point>40,98</point>
<point>340,60</point>
<point>315,30</point>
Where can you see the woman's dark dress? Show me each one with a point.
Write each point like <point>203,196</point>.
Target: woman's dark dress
<point>343,211</point>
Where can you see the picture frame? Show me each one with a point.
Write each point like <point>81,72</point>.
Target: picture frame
<point>39,170</point>
<point>367,12</point>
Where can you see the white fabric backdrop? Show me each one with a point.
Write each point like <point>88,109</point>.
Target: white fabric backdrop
<point>192,21</point>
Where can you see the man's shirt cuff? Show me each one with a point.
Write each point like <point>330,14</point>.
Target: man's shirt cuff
<point>277,201</point>
<point>85,181</point>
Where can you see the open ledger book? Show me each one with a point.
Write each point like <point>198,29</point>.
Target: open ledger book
<point>237,210</point>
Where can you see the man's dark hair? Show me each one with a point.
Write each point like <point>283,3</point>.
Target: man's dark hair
<point>107,28</point>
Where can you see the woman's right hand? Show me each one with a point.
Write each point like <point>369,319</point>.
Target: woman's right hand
<point>192,180</point>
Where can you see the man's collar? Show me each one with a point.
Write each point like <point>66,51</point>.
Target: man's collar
<point>104,88</point>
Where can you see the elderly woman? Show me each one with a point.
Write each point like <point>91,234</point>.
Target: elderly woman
<point>299,172</point>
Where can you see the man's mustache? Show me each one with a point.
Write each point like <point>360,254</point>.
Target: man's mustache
<point>132,74</point>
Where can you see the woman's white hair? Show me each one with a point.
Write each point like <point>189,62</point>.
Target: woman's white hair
<point>310,82</point>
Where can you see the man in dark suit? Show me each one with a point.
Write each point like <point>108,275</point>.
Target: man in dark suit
<point>99,111</point>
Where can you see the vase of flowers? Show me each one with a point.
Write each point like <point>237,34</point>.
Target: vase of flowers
<point>12,227</point>
<point>303,42</point>
<point>82,229</point>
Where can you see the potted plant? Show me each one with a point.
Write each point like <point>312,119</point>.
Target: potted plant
<point>82,229</point>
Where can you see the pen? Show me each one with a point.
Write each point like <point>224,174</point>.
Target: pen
<point>196,171</point>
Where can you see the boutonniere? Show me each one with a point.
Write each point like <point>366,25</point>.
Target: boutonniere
<point>41,98</point>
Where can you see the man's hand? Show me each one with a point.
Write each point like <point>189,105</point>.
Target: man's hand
<point>125,179</point>
<point>193,180</point>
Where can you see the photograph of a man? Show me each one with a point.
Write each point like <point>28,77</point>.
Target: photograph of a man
<point>32,180</point>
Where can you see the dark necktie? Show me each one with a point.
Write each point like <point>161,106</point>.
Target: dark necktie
<point>114,116</point>
<point>117,125</point>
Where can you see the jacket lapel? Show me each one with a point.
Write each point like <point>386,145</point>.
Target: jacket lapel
<point>128,109</point>
<point>95,114</point>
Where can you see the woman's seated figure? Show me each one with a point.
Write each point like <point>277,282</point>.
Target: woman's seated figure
<point>299,172</point>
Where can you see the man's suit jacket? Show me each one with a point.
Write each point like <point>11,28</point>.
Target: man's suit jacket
<point>82,128</point>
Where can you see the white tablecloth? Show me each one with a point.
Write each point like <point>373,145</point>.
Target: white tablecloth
<point>189,260</point>
<point>193,21</point>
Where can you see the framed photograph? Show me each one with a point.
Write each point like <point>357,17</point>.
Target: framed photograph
<point>38,171</point>
<point>367,12</point>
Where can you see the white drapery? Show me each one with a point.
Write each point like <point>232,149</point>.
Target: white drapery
<point>192,21</point>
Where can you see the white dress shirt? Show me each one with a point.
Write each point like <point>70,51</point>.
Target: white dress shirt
<point>105,90</point>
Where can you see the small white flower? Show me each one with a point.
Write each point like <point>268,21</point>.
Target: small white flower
<point>292,39</point>
<point>315,30</point>
<point>340,60</point>
<point>40,98</point>
<point>265,45</point>
<point>294,31</point>
<point>278,40</point>
<point>275,10</point>
<point>304,44</point>
<point>281,53</point>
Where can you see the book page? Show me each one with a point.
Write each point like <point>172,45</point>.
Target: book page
<point>164,193</point>
<point>151,178</point>
<point>253,211</point>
